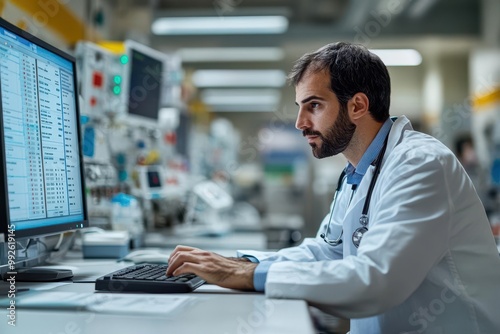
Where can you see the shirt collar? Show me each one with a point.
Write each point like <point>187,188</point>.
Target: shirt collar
<point>355,174</point>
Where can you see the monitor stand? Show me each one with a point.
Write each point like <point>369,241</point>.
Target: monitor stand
<point>41,275</point>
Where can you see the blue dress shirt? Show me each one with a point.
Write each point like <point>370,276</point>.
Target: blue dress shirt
<point>355,174</point>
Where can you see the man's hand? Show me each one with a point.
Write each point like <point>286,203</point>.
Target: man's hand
<point>213,268</point>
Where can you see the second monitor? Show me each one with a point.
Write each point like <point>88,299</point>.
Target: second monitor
<point>144,85</point>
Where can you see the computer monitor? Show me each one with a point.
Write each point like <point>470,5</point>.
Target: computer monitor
<point>145,74</point>
<point>41,164</point>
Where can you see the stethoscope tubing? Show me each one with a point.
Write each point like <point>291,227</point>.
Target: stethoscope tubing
<point>363,219</point>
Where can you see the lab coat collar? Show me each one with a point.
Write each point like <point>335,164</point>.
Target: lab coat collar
<point>355,174</point>
<point>399,126</point>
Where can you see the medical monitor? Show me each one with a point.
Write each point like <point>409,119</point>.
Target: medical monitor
<point>145,82</point>
<point>41,171</point>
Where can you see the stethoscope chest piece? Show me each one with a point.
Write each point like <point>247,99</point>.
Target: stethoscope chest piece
<point>360,231</point>
<point>358,235</point>
<point>363,220</point>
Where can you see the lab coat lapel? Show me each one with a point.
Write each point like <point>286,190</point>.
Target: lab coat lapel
<point>400,125</point>
<point>353,212</point>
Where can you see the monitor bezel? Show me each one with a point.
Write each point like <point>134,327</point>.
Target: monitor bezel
<point>134,119</point>
<point>4,203</point>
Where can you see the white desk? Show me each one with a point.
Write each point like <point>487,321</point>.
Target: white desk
<point>233,240</point>
<point>208,310</point>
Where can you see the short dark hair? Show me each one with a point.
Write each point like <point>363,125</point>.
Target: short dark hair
<point>353,69</point>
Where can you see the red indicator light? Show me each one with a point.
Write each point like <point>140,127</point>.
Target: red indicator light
<point>97,79</point>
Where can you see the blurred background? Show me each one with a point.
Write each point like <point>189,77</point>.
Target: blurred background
<point>212,146</point>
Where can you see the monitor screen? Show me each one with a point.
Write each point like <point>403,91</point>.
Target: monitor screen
<point>145,84</point>
<point>41,172</point>
<point>154,180</point>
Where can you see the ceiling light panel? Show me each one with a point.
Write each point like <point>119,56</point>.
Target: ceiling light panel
<point>192,55</point>
<point>243,108</point>
<point>241,96</point>
<point>239,78</point>
<point>399,57</point>
<point>220,25</point>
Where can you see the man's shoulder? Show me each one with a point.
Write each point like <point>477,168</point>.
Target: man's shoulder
<point>417,148</point>
<point>412,140</point>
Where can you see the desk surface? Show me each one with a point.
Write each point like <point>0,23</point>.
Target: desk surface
<point>207,310</point>
<point>231,241</point>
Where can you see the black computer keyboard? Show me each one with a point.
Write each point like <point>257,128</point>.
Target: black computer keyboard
<point>147,278</point>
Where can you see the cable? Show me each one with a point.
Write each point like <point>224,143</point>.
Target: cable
<point>59,242</point>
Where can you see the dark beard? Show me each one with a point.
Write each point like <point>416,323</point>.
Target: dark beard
<point>336,139</point>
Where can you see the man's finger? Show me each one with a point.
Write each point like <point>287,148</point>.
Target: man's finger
<point>180,258</point>
<point>173,263</point>
<point>188,268</point>
<point>182,248</point>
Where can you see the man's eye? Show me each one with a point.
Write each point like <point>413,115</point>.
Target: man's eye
<point>314,105</point>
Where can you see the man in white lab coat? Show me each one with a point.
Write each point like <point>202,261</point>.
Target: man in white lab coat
<point>423,260</point>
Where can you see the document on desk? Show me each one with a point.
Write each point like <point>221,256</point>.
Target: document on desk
<point>135,304</point>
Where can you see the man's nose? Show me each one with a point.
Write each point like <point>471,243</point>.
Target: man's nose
<point>302,121</point>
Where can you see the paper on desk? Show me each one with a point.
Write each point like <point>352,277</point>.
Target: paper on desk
<point>135,304</point>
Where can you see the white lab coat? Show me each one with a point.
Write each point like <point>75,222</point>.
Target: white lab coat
<point>428,263</point>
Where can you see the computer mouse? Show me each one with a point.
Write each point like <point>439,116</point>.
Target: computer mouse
<point>145,256</point>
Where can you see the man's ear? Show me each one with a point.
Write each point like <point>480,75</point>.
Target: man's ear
<point>358,106</point>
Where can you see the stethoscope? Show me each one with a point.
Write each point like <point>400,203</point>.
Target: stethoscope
<point>363,220</point>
